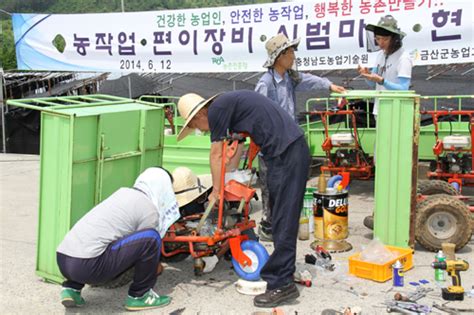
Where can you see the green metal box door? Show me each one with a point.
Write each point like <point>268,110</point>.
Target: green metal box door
<point>90,147</point>
<point>398,130</point>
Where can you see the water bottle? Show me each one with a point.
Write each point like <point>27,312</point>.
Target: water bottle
<point>439,273</point>
<point>303,231</point>
<point>322,184</point>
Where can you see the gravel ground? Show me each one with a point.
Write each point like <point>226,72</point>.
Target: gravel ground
<point>23,292</point>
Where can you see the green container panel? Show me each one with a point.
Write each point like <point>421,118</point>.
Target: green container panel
<point>192,151</point>
<point>397,137</point>
<point>88,151</point>
<point>396,169</point>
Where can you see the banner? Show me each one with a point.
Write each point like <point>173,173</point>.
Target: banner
<point>232,39</point>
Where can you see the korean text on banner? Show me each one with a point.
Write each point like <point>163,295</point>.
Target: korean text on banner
<point>232,39</point>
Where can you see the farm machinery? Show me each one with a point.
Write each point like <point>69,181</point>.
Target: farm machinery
<point>453,153</point>
<point>344,153</point>
<point>221,228</point>
<point>443,214</point>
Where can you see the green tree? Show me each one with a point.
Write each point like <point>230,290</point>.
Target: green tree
<point>7,46</point>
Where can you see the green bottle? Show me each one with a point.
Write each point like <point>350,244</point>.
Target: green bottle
<point>439,273</point>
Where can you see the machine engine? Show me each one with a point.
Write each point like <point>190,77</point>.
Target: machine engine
<point>349,157</point>
<point>456,161</point>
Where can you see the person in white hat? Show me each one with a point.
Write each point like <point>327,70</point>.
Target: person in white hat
<point>280,83</point>
<point>287,157</point>
<point>393,66</point>
<point>123,231</point>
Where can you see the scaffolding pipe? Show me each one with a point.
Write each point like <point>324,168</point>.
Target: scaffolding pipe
<point>2,103</point>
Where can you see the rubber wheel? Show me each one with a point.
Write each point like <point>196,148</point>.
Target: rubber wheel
<point>122,279</point>
<point>259,257</point>
<point>334,181</point>
<point>435,187</point>
<point>442,219</point>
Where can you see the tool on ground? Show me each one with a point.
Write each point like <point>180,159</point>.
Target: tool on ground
<point>420,292</point>
<point>453,310</point>
<point>353,291</point>
<point>400,297</point>
<point>303,277</point>
<point>178,311</point>
<point>396,309</point>
<point>322,253</point>
<point>407,307</point>
<point>453,268</point>
<point>412,297</point>
<point>322,259</point>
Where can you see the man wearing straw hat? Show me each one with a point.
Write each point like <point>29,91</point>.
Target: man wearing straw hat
<point>280,83</point>
<point>287,156</point>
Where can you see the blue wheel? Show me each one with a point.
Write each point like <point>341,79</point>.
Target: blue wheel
<point>259,257</point>
<point>334,181</point>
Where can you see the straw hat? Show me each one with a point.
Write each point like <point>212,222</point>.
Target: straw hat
<point>188,106</point>
<point>386,23</point>
<point>276,45</point>
<point>187,186</point>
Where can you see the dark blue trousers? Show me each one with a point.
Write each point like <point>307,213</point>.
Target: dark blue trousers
<point>140,250</point>
<point>287,177</point>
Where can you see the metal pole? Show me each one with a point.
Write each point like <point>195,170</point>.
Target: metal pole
<point>129,87</point>
<point>128,76</point>
<point>4,138</point>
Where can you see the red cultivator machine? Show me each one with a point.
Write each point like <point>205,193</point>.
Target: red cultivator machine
<point>348,155</point>
<point>216,230</point>
<point>454,153</point>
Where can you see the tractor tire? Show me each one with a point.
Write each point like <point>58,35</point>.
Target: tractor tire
<point>435,187</point>
<point>442,219</point>
<point>122,279</point>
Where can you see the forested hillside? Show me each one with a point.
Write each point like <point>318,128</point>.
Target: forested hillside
<point>7,52</point>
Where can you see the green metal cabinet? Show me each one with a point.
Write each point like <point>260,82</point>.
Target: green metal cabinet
<point>90,147</point>
<point>398,130</point>
<point>397,138</point>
